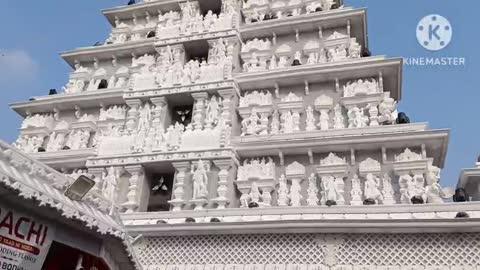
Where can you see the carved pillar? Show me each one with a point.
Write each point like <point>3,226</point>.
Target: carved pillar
<point>97,173</point>
<point>133,114</point>
<point>179,188</point>
<point>199,109</point>
<point>228,105</point>
<point>159,113</point>
<point>222,189</point>
<point>136,189</point>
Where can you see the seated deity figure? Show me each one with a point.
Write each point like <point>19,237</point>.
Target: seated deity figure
<point>251,125</point>
<point>372,191</point>
<point>200,181</point>
<point>388,111</point>
<point>255,194</point>
<point>357,118</point>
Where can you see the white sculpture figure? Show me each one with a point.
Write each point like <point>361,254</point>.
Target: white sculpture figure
<point>74,86</point>
<point>322,57</point>
<point>251,125</point>
<point>282,62</point>
<point>330,189</point>
<point>356,191</point>
<point>388,110</point>
<point>110,184</point>
<point>361,87</point>
<point>56,141</point>
<point>388,192</point>
<point>174,136</point>
<point>338,53</point>
<point>145,117</point>
<point>273,63</point>
<point>312,58</point>
<point>310,121</point>
<point>338,119</point>
<point>296,120</point>
<point>372,191</point>
<point>212,111</point>
<point>324,120</point>
<point>275,125</point>
<point>357,118</point>
<point>373,113</point>
<point>255,193</point>
<point>418,188</point>
<point>355,49</point>
<point>287,122</point>
<point>406,183</point>
<point>312,191</point>
<point>434,191</point>
<point>282,191</point>
<point>295,193</point>
<point>200,180</point>
<point>297,58</point>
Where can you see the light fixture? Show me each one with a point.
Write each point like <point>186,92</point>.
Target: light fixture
<point>78,189</point>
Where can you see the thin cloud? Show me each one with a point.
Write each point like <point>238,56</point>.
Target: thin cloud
<point>17,65</point>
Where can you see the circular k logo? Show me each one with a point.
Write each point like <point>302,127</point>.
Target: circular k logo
<point>434,32</point>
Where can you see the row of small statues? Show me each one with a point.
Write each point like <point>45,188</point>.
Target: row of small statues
<point>72,140</point>
<point>256,168</point>
<point>332,191</point>
<point>254,13</point>
<point>289,121</point>
<point>253,62</point>
<point>174,26</point>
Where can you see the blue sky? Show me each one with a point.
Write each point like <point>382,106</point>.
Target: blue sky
<point>34,32</point>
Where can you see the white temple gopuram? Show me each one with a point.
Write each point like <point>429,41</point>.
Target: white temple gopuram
<point>255,135</point>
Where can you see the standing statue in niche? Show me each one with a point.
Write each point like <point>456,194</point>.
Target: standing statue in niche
<point>295,193</point>
<point>145,117</point>
<point>212,111</point>
<point>356,191</point>
<point>372,191</point>
<point>110,184</point>
<point>310,122</point>
<point>275,126</point>
<point>330,190</point>
<point>200,180</point>
<point>282,191</point>
<point>405,182</point>
<point>338,120</point>
<point>255,194</point>
<point>312,191</point>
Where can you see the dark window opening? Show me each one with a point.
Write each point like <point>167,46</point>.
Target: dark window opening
<point>160,192</point>
<point>151,34</point>
<point>182,115</point>
<point>103,84</point>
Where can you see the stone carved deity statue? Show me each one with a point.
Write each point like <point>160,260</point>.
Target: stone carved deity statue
<point>310,121</point>
<point>312,191</point>
<point>338,119</point>
<point>200,181</point>
<point>275,125</point>
<point>145,117</point>
<point>295,193</point>
<point>283,196</point>
<point>110,184</point>
<point>356,191</point>
<point>357,118</point>
<point>212,111</point>
<point>372,188</point>
<point>330,189</point>
<point>255,194</point>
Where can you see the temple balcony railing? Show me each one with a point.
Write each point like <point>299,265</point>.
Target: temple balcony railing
<point>336,219</point>
<point>264,10</point>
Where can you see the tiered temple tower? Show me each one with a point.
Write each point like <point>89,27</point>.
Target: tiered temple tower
<point>262,134</point>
